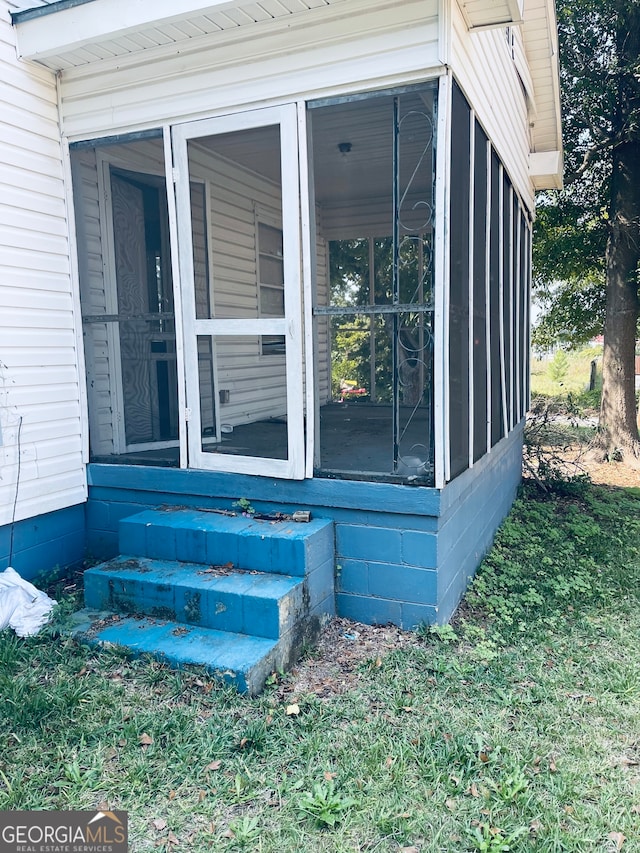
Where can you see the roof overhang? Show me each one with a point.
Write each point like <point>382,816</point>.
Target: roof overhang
<point>540,38</point>
<point>68,33</point>
<point>489,14</point>
<point>62,27</point>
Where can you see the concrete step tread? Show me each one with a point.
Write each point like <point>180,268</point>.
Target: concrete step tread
<point>230,655</point>
<point>214,521</point>
<point>196,576</point>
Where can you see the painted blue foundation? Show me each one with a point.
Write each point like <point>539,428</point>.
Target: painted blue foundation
<point>45,544</point>
<point>403,554</point>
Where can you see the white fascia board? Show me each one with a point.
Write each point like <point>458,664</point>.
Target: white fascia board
<point>491,14</point>
<point>545,170</point>
<point>67,29</point>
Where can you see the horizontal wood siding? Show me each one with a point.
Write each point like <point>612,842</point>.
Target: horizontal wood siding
<point>483,64</point>
<point>97,341</point>
<point>40,410</point>
<point>355,44</point>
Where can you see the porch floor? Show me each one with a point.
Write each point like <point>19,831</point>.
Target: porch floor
<point>355,440</point>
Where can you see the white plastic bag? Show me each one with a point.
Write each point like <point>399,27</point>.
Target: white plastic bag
<point>22,607</point>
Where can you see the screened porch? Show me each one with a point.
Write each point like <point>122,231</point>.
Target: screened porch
<point>257,292</point>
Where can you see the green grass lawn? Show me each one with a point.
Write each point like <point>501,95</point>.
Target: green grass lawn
<point>517,729</point>
<point>571,377</point>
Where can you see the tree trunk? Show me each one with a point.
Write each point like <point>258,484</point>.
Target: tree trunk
<point>618,425</point>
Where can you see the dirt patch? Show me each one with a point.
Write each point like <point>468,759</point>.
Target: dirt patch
<point>613,474</point>
<point>343,649</point>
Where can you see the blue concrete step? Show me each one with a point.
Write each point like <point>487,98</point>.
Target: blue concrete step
<point>234,594</point>
<point>264,605</point>
<point>198,536</point>
<point>235,658</point>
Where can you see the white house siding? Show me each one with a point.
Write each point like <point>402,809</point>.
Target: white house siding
<point>40,409</point>
<point>369,43</point>
<point>487,72</point>
<point>97,340</point>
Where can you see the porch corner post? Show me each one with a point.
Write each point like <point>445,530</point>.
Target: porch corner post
<point>441,283</point>
<point>307,225</point>
<point>177,291</point>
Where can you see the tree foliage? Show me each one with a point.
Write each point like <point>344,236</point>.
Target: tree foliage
<point>571,229</point>
<point>587,238</point>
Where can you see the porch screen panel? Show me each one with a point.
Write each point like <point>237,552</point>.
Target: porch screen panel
<point>459,284</point>
<point>203,307</point>
<point>242,376</point>
<point>373,163</point>
<point>497,431</point>
<point>126,294</point>
<point>518,330</point>
<point>480,250</point>
<point>525,285</point>
<point>507,290</point>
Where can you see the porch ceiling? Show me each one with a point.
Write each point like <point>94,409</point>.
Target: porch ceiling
<point>74,33</point>
<point>358,179</point>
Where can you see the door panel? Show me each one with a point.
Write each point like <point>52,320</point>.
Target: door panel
<point>145,310</point>
<point>243,350</point>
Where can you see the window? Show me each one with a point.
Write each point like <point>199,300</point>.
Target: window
<point>270,282</point>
